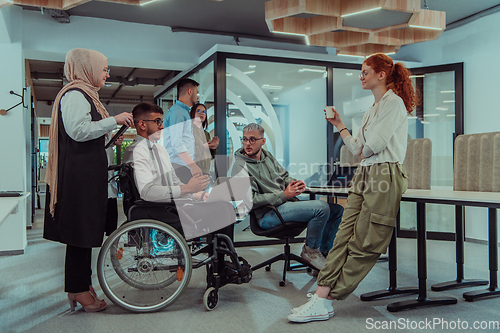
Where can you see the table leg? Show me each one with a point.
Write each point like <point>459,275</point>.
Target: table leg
<point>422,299</point>
<point>393,290</point>
<point>493,259</point>
<point>460,282</point>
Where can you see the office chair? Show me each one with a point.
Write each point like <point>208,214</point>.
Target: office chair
<point>285,231</point>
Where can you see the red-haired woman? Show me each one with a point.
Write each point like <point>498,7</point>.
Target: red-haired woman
<point>376,189</point>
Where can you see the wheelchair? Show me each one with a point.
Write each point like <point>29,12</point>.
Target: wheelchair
<point>145,265</point>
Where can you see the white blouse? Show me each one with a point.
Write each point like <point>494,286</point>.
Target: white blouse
<point>75,111</point>
<point>384,129</point>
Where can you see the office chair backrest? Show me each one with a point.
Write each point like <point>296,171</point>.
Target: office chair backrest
<point>417,163</point>
<point>477,162</point>
<point>347,158</point>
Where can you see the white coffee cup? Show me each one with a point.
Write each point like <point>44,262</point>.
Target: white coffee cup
<point>329,112</point>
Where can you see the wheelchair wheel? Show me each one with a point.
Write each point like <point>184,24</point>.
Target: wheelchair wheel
<point>144,266</point>
<point>210,298</point>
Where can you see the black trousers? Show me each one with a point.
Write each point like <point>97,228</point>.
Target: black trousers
<point>77,269</point>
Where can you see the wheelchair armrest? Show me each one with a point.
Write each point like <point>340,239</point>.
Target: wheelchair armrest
<point>114,167</point>
<point>275,210</point>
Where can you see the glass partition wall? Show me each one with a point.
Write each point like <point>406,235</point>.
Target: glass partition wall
<point>287,97</point>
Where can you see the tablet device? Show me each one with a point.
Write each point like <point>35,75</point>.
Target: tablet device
<point>113,139</point>
<point>229,189</point>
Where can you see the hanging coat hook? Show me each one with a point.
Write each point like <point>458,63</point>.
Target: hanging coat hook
<point>3,112</point>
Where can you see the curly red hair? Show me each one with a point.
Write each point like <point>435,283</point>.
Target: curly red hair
<point>398,78</point>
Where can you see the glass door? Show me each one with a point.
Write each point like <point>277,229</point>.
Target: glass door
<point>439,117</point>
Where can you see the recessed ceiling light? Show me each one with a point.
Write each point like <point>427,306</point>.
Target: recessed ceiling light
<point>249,72</point>
<point>293,34</point>
<point>314,70</point>
<point>431,115</point>
<point>425,122</point>
<point>350,55</point>
<point>267,86</point>
<point>308,88</point>
<point>423,27</point>
<point>450,115</point>
<point>447,91</point>
<point>348,74</point>
<point>450,101</point>
<point>412,117</point>
<point>239,96</point>
<point>252,66</point>
<point>275,98</point>
<point>361,12</point>
<point>441,108</point>
<point>145,3</point>
<point>227,74</point>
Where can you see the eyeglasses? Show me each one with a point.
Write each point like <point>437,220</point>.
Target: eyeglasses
<point>107,70</point>
<point>363,74</point>
<point>252,140</point>
<point>201,111</point>
<point>158,121</point>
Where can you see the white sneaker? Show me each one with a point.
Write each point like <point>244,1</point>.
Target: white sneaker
<point>328,305</point>
<point>315,309</point>
<point>314,256</point>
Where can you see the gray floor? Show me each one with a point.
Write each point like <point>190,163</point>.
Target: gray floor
<point>32,298</point>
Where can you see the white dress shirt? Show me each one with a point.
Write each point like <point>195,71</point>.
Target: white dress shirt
<point>75,111</point>
<point>148,177</point>
<point>384,129</point>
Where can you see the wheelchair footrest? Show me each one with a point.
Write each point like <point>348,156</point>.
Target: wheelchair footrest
<point>233,275</point>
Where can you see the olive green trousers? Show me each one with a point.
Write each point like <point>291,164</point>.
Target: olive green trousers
<point>366,228</point>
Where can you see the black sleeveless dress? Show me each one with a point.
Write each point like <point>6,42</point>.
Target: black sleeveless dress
<point>82,194</point>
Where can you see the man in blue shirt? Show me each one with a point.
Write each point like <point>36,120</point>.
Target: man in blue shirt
<point>178,134</point>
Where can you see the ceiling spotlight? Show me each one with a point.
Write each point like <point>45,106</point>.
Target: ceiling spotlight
<point>361,12</point>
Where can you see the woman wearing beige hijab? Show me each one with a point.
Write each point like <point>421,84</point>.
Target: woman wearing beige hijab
<point>76,206</point>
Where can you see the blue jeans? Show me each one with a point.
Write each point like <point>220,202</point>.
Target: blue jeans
<point>323,220</point>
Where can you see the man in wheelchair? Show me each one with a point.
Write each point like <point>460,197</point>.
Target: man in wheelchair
<point>156,182</point>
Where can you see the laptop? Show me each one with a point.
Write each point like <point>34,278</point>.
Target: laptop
<point>229,189</point>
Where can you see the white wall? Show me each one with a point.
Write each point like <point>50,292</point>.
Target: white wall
<point>477,44</point>
<point>13,126</point>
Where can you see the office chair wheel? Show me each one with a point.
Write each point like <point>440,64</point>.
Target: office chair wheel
<point>282,283</point>
<point>144,266</point>
<point>268,268</point>
<point>210,298</point>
